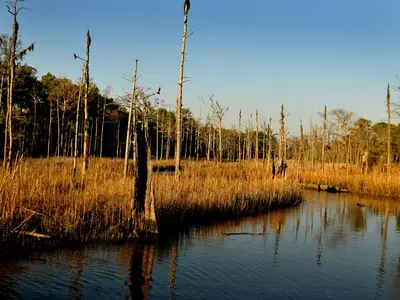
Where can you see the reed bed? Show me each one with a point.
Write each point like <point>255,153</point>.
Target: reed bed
<point>39,198</point>
<point>376,182</point>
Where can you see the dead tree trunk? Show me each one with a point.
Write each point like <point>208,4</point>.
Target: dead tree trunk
<point>389,137</point>
<point>198,138</point>
<point>168,136</point>
<point>50,121</point>
<point>1,89</point>
<point>186,8</point>
<point>58,129</point>
<point>257,127</point>
<point>157,136</point>
<point>312,144</point>
<point>209,143</point>
<point>239,146</point>
<point>78,107</point>
<point>323,142</point>
<point>13,10</point>
<point>6,130</point>
<point>132,111</point>
<point>86,122</point>
<point>282,146</point>
<point>144,199</point>
<point>269,143</point>
<point>102,127</point>
<point>118,142</point>
<point>162,138</point>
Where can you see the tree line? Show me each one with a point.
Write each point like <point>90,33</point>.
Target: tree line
<point>40,117</point>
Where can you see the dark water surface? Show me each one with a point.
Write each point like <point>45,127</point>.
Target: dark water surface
<point>327,248</point>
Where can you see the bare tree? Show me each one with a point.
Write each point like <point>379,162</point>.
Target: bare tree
<point>269,142</point>
<point>282,145</point>
<point>86,112</point>
<point>257,127</point>
<point>14,9</point>
<point>132,110</point>
<point>86,122</point>
<point>389,146</point>
<point>218,111</point>
<point>186,8</point>
<point>169,130</point>
<point>323,141</point>
<point>143,205</point>
<point>107,92</point>
<point>78,105</point>
<point>240,134</point>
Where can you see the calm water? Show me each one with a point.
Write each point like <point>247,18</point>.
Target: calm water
<point>327,248</point>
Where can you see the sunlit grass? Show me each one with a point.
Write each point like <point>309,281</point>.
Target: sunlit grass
<point>101,209</point>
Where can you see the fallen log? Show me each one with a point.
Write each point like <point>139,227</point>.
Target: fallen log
<point>34,234</point>
<point>324,187</point>
<point>246,233</point>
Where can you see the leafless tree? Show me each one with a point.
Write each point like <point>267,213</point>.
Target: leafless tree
<point>186,8</point>
<point>218,111</point>
<point>132,111</point>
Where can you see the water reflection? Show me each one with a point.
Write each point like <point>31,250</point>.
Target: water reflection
<point>326,247</point>
<point>141,268</point>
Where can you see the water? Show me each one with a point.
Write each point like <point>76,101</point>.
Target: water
<point>327,248</point>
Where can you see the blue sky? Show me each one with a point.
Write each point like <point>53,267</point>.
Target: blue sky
<point>251,54</point>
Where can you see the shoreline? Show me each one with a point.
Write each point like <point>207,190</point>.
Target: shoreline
<point>26,245</point>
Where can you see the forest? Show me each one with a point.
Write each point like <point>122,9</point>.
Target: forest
<point>44,114</point>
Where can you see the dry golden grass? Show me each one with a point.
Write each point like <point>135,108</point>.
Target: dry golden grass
<point>376,182</point>
<point>101,210</point>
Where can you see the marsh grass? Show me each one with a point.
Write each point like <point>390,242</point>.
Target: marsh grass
<point>377,182</point>
<point>100,209</point>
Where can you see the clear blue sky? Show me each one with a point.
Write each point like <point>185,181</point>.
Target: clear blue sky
<point>251,54</point>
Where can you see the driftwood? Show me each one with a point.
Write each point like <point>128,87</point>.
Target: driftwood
<point>246,233</point>
<point>34,234</point>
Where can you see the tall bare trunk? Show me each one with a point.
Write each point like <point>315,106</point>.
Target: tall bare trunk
<point>86,122</point>
<point>78,105</point>
<point>6,130</point>
<point>162,138</point>
<point>144,199</point>
<point>5,121</point>
<point>301,149</point>
<point>389,137</point>
<point>264,139</point>
<point>118,142</point>
<point>209,143</point>
<point>282,145</point>
<point>220,138</point>
<point>323,142</point>
<point>132,110</point>
<point>1,90</point>
<point>34,135</point>
<point>157,135</point>
<point>312,144</point>
<point>186,8</point>
<point>239,145</point>
<point>102,128</point>
<point>257,127</point>
<point>14,38</point>
<point>269,142</point>
<point>168,136</point>
<point>58,130</point>
<point>96,130</point>
<point>62,137</point>
<point>198,138</point>
<point>50,121</point>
